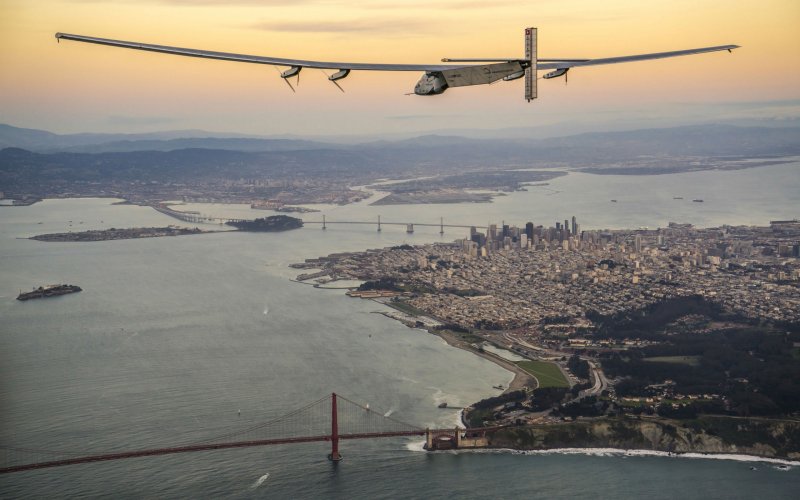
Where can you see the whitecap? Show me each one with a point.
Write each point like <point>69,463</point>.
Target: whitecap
<point>615,452</point>
<point>416,446</point>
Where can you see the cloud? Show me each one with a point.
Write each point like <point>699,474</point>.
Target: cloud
<point>130,120</point>
<point>460,5</point>
<point>216,3</point>
<point>382,26</point>
<point>390,5</point>
<point>412,117</point>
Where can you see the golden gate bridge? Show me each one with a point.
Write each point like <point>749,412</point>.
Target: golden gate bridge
<point>331,419</point>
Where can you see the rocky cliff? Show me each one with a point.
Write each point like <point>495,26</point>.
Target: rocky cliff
<point>759,437</point>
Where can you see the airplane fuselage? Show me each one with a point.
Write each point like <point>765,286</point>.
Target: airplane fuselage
<point>431,84</point>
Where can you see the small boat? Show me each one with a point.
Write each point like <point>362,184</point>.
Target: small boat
<point>613,201</point>
<point>698,200</point>
<point>753,468</point>
<point>782,467</point>
<point>443,405</point>
<point>500,386</point>
<point>677,197</point>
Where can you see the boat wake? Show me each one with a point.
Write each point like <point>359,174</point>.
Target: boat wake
<point>260,481</point>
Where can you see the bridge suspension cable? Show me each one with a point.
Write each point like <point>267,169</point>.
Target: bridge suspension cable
<point>331,418</point>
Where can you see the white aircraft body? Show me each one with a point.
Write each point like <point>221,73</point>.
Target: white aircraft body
<point>437,77</point>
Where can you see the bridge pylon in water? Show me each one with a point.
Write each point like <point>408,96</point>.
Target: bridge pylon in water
<point>334,456</point>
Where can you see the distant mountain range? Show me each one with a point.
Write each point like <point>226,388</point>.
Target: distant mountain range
<point>42,141</point>
<point>713,139</point>
<point>36,157</point>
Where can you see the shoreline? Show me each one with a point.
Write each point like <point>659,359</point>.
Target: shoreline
<point>521,380</point>
<point>625,453</point>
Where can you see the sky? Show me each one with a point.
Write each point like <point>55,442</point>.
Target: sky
<point>71,87</point>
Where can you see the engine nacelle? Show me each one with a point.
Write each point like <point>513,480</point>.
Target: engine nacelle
<point>556,73</point>
<point>294,70</point>
<point>431,84</point>
<point>342,73</point>
<point>514,76</point>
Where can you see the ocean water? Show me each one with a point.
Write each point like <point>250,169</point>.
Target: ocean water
<point>172,337</point>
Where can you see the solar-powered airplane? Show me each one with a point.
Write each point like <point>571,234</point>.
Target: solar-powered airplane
<point>437,77</point>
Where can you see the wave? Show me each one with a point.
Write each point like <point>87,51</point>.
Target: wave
<point>416,446</point>
<point>616,452</point>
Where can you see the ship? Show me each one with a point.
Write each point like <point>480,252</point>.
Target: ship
<point>49,291</point>
<point>698,200</point>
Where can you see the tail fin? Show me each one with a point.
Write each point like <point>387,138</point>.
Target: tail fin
<point>530,71</point>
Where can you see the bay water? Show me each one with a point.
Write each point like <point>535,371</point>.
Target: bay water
<point>174,340</point>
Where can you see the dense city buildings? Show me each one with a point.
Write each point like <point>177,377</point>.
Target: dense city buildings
<point>544,278</point>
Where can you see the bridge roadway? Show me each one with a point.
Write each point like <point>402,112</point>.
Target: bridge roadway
<point>104,457</point>
<point>368,429</point>
<point>195,217</point>
<point>382,223</point>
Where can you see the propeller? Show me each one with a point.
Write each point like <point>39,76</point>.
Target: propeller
<point>333,81</point>
<point>294,70</point>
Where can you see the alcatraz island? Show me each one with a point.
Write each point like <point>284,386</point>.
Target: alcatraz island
<point>679,339</point>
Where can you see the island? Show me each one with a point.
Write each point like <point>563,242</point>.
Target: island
<point>279,206</point>
<point>119,234</point>
<point>273,223</point>
<point>49,291</point>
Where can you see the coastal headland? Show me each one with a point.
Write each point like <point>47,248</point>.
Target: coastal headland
<point>718,435</point>
<point>630,339</point>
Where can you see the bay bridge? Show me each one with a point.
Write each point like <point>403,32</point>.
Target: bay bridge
<point>330,419</point>
<point>198,218</point>
<point>378,223</point>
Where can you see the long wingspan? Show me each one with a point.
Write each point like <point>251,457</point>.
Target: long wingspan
<point>572,63</point>
<point>276,61</point>
<point>437,78</point>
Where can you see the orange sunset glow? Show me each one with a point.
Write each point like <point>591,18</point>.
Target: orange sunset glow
<point>74,87</point>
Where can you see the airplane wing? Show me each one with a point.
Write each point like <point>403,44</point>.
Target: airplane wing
<point>275,61</point>
<point>573,63</point>
<point>437,78</point>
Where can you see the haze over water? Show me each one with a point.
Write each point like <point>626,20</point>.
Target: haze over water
<point>172,336</point>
